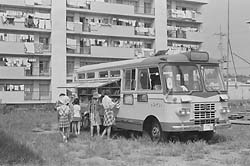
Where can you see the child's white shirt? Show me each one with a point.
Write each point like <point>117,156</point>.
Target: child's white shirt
<point>77,109</point>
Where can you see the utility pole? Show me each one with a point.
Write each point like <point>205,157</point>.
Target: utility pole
<point>220,47</point>
<point>228,39</point>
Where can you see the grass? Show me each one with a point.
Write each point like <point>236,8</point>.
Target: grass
<point>20,145</point>
<point>14,152</point>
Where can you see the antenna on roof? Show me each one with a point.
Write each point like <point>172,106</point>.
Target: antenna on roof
<point>161,52</point>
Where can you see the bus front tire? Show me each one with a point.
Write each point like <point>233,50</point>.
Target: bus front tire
<point>156,133</point>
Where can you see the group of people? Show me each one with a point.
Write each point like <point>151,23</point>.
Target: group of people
<point>69,115</point>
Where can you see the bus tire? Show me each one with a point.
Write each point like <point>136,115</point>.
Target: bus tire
<point>156,133</point>
<point>85,122</point>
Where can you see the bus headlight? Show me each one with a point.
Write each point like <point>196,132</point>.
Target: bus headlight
<point>224,110</point>
<point>183,112</point>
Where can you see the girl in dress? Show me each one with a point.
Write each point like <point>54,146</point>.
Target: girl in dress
<point>76,117</point>
<point>109,118</point>
<point>95,119</point>
<point>64,117</point>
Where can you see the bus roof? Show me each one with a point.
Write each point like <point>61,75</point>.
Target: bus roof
<point>117,65</point>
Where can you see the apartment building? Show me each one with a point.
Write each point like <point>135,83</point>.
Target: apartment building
<point>42,42</point>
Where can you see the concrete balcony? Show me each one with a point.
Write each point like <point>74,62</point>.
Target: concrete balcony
<point>112,52</point>
<point>102,52</point>
<point>18,48</point>
<point>188,16</point>
<point>24,3</point>
<point>195,1</point>
<point>112,8</point>
<point>9,97</point>
<point>113,30</point>
<point>20,26</point>
<point>7,72</point>
<point>188,36</point>
<point>11,48</point>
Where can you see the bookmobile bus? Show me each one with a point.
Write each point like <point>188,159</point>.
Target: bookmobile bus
<point>162,94</point>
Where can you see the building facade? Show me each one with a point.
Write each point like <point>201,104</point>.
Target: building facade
<point>42,42</point>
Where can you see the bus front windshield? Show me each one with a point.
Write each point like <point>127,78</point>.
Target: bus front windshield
<point>182,78</point>
<point>212,78</point>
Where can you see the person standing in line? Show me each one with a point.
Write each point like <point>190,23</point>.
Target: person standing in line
<point>109,118</point>
<point>64,117</point>
<point>76,117</point>
<point>95,119</point>
<point>59,103</point>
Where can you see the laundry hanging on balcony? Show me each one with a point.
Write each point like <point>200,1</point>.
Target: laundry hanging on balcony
<point>29,47</point>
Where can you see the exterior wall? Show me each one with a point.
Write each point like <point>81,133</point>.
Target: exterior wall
<point>58,37</point>
<point>160,25</point>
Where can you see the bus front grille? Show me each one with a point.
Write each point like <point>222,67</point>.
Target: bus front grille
<point>204,113</point>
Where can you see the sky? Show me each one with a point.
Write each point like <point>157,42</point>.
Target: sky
<point>215,16</point>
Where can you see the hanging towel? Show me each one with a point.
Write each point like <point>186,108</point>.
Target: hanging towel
<point>29,47</point>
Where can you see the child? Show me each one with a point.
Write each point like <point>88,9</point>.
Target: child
<point>76,117</point>
<point>109,118</point>
<point>95,119</point>
<point>64,117</point>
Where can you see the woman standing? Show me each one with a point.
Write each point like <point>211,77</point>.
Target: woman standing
<point>109,118</point>
<point>95,119</point>
<point>64,117</point>
<point>76,117</point>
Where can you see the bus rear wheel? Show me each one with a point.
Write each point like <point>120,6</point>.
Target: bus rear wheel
<point>156,133</point>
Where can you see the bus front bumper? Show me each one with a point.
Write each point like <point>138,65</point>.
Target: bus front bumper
<point>193,127</point>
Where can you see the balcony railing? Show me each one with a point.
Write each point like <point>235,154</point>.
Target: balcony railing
<point>87,5</point>
<point>37,95</point>
<point>27,3</point>
<point>109,29</point>
<point>76,49</point>
<point>37,72</point>
<point>184,15</point>
<point>188,35</point>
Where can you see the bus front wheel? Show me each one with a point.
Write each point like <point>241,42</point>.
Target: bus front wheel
<point>156,133</point>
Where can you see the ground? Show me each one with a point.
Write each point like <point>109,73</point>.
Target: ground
<point>37,130</point>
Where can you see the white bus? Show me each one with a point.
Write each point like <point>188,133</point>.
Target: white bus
<point>162,94</point>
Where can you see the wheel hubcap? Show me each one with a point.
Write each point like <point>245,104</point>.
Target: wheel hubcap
<point>155,132</point>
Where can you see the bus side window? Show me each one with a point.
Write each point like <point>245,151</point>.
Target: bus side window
<point>143,80</point>
<point>129,79</point>
<point>155,78</point>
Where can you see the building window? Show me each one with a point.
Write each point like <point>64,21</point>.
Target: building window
<point>44,92</point>
<point>44,67</point>
<point>70,68</point>
<point>45,42</point>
